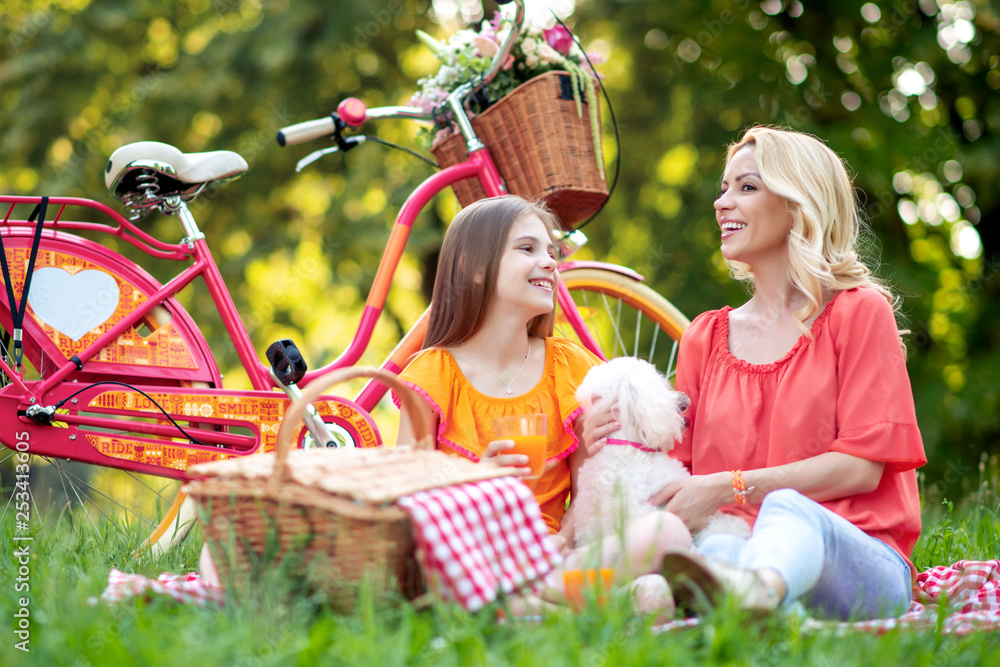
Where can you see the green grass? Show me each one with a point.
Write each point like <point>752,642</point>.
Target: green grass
<point>967,530</point>
<point>279,626</point>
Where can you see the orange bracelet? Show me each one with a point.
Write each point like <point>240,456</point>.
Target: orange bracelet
<point>740,490</point>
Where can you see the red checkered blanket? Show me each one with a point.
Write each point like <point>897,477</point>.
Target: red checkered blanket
<point>477,540</point>
<point>969,590</point>
<point>187,588</point>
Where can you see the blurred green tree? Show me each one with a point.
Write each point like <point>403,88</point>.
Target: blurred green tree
<point>905,90</point>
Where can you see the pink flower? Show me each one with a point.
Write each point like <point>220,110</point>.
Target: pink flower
<point>487,47</point>
<point>559,38</point>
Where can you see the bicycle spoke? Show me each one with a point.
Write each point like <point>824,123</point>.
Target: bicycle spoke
<point>645,344</point>
<point>73,486</point>
<point>31,497</point>
<point>638,330</point>
<point>9,501</point>
<point>652,347</point>
<point>70,476</point>
<point>137,479</point>
<point>673,354</point>
<point>617,320</point>
<point>629,334</point>
<point>616,325</point>
<point>62,483</point>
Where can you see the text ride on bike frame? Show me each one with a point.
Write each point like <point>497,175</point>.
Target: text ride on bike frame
<point>107,368</point>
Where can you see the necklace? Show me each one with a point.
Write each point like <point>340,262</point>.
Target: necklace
<point>495,374</point>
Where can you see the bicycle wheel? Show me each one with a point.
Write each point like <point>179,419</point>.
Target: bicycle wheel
<point>626,317</point>
<point>146,511</point>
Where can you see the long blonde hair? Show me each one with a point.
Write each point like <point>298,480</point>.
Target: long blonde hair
<point>827,224</point>
<point>468,266</point>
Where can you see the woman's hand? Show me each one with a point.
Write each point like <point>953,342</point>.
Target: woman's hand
<point>494,456</point>
<point>594,426</point>
<point>694,499</point>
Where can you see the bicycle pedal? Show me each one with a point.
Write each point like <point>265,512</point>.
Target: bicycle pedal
<point>287,363</point>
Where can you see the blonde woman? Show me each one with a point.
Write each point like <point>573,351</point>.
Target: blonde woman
<point>801,418</point>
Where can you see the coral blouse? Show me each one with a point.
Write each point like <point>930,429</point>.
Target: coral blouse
<point>466,416</point>
<point>846,391</point>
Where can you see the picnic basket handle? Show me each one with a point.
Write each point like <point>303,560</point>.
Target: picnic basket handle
<point>409,399</point>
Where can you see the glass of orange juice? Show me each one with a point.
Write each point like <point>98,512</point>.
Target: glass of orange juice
<point>530,435</point>
<point>598,580</point>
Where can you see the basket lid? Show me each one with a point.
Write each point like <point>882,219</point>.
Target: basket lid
<point>372,475</point>
<point>376,475</point>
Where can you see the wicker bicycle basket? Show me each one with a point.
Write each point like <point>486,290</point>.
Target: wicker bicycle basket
<point>541,146</point>
<point>327,515</point>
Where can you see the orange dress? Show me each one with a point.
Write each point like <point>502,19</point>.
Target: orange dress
<point>845,391</point>
<point>465,425</point>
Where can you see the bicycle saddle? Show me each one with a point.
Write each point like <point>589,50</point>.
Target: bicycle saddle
<point>146,172</point>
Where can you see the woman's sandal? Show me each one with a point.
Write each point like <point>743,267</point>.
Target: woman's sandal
<point>699,583</point>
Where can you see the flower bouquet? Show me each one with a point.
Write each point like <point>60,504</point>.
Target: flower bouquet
<point>531,115</point>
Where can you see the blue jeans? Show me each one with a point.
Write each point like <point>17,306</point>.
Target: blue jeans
<point>835,569</point>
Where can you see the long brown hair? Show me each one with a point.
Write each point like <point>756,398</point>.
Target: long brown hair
<point>468,266</point>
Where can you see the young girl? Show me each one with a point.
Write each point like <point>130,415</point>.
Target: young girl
<point>489,352</point>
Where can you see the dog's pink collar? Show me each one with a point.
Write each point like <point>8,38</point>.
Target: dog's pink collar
<point>629,443</point>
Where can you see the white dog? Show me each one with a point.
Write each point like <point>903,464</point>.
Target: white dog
<point>614,485</point>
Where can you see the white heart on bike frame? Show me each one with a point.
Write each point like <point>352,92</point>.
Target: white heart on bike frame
<point>73,304</point>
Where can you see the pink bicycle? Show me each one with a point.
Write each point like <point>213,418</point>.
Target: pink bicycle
<point>102,366</point>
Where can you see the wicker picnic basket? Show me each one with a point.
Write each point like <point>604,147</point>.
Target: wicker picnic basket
<point>331,513</point>
<point>541,146</point>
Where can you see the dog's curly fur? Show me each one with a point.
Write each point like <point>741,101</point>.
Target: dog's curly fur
<point>614,485</point>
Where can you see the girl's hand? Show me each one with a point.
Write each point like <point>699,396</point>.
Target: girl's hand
<point>694,499</point>
<point>594,426</point>
<point>494,456</point>
<point>560,543</point>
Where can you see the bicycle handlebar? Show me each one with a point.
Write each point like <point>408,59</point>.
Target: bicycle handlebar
<point>300,133</point>
<point>353,113</point>
<point>307,131</point>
